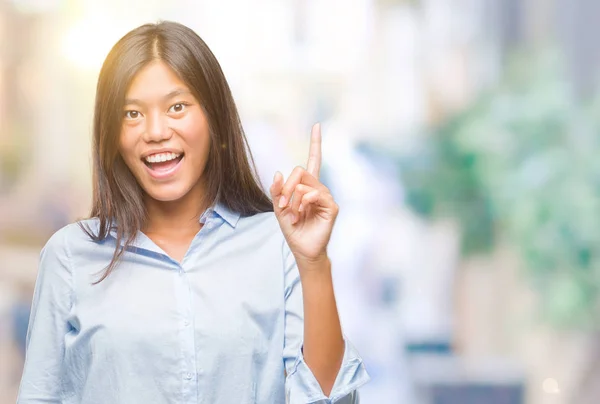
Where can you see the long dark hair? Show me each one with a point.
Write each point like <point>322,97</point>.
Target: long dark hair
<point>230,174</point>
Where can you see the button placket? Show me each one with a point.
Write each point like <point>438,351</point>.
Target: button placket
<point>188,349</point>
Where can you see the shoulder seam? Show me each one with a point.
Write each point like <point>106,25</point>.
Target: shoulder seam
<point>69,257</point>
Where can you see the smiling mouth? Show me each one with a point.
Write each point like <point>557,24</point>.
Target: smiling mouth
<point>163,166</point>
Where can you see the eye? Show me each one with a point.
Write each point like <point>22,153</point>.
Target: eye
<point>132,114</point>
<point>177,108</point>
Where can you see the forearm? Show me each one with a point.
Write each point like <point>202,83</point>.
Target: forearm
<point>323,341</point>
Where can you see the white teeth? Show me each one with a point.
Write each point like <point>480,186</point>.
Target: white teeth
<point>161,157</point>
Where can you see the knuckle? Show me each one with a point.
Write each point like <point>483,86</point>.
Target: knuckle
<point>335,208</point>
<point>287,188</point>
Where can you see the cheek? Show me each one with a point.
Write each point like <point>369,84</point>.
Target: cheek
<point>197,136</point>
<point>204,148</point>
<point>201,151</point>
<point>127,145</point>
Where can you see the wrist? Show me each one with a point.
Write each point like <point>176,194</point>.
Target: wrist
<point>320,262</point>
<point>315,275</point>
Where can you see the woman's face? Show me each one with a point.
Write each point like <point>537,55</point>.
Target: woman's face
<point>164,137</point>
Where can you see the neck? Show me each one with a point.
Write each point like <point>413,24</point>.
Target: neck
<point>175,217</point>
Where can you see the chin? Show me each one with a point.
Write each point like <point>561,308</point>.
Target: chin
<point>166,193</point>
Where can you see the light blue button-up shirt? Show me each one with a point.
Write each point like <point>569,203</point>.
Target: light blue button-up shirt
<point>219,327</point>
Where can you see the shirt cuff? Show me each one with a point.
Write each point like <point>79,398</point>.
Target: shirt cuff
<point>303,388</point>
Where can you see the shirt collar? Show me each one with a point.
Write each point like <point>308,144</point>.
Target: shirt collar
<point>229,216</point>
<point>217,209</point>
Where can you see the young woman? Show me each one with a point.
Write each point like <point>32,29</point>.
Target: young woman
<point>188,284</point>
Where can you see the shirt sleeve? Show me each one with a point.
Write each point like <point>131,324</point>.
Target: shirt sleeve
<point>301,386</point>
<point>48,325</point>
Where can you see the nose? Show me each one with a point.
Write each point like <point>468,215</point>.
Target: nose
<point>157,129</point>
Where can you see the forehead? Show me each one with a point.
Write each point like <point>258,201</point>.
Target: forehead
<point>154,80</point>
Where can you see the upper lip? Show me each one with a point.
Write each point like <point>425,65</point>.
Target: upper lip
<point>158,151</point>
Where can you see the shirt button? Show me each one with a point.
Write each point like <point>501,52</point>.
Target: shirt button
<point>188,376</point>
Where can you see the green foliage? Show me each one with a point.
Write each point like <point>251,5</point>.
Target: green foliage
<point>523,162</point>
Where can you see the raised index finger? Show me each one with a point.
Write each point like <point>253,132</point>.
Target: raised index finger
<point>314,155</point>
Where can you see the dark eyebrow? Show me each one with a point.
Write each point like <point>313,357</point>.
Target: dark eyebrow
<point>172,94</point>
<point>175,93</point>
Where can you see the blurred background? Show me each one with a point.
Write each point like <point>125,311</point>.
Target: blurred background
<point>460,141</point>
